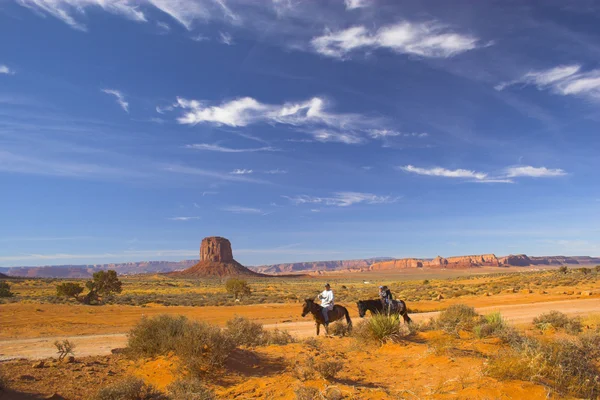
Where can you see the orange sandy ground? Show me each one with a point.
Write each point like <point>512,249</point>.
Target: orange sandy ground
<point>412,370</point>
<point>30,320</point>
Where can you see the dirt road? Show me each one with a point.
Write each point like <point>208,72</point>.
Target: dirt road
<point>89,345</point>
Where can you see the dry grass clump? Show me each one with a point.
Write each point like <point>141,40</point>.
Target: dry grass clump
<point>189,389</point>
<point>557,320</point>
<point>244,332</point>
<point>456,318</point>
<point>307,393</point>
<point>493,325</point>
<point>201,347</point>
<point>384,328</point>
<point>129,388</point>
<point>567,366</point>
<point>339,328</point>
<point>328,369</point>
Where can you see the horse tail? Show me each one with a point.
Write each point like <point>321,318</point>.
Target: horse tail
<point>348,320</point>
<point>405,314</point>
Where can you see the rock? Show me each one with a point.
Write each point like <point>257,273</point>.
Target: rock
<point>586,293</point>
<point>69,360</point>
<point>510,290</point>
<point>39,364</point>
<point>27,378</point>
<point>488,294</point>
<point>439,297</point>
<point>55,396</point>
<point>526,291</point>
<point>216,259</point>
<point>518,260</point>
<point>542,292</point>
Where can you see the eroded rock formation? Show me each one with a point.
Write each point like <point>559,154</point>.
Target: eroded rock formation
<point>484,260</point>
<point>216,249</point>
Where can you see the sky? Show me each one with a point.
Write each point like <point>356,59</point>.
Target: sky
<point>300,130</point>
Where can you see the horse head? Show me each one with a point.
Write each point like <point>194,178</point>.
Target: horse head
<point>362,310</point>
<point>308,303</point>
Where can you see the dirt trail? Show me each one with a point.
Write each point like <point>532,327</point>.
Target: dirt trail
<point>88,345</point>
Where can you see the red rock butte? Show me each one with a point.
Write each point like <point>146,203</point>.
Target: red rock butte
<point>216,260</point>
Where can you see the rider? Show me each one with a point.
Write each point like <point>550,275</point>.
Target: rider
<point>386,298</point>
<point>326,302</point>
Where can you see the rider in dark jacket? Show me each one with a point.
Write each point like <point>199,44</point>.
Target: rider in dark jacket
<point>386,298</point>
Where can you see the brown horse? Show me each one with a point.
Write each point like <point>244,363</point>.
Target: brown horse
<point>336,314</point>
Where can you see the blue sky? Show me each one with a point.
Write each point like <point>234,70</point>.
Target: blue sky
<point>129,130</point>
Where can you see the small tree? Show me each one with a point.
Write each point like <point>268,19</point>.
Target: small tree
<point>5,290</point>
<point>69,289</point>
<point>237,287</point>
<point>563,269</point>
<point>103,283</point>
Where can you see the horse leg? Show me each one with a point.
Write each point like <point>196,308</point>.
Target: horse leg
<point>318,327</point>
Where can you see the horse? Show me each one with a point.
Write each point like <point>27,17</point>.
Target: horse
<point>337,313</point>
<point>375,306</point>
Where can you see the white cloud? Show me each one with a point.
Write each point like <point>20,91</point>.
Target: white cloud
<point>222,149</point>
<point>120,98</point>
<point>276,171</point>
<point>211,174</point>
<point>425,39</point>
<point>130,254</point>
<point>342,199</point>
<point>333,136</point>
<point>533,172</point>
<point>225,38</point>
<point>385,133</point>
<point>241,171</point>
<point>443,172</point>
<point>354,4</point>
<point>565,80</point>
<point>183,218</point>
<point>242,210</point>
<point>5,70</point>
<point>163,26</point>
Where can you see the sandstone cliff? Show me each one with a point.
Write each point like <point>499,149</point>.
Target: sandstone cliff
<point>439,262</point>
<point>216,260</point>
<point>316,266</point>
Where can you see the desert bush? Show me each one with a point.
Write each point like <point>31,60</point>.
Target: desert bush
<point>339,328</point>
<point>103,283</point>
<point>64,348</point>
<point>584,270</point>
<point>189,389</point>
<point>491,325</point>
<point>129,389</point>
<point>563,269</point>
<point>237,287</point>
<point>455,318</point>
<point>203,347</point>
<point>5,289</point>
<point>307,393</point>
<point>69,289</point>
<point>557,320</point>
<point>328,369</point>
<point>155,336</point>
<point>303,369</point>
<point>564,365</point>
<point>244,332</point>
<point>597,268</point>
<point>383,328</point>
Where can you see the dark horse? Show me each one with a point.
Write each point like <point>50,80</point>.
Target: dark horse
<point>336,314</point>
<point>375,306</point>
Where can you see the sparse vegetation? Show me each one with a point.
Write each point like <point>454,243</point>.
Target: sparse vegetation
<point>307,393</point>
<point>383,328</point>
<point>237,287</point>
<point>69,289</point>
<point>129,389</point>
<point>557,320</point>
<point>339,328</point>
<point>103,283</point>
<point>244,332</point>
<point>563,269</point>
<point>328,369</point>
<point>64,348</point>
<point>491,325</point>
<point>456,318</point>
<point>189,389</point>
<point>5,289</point>
<point>155,336</point>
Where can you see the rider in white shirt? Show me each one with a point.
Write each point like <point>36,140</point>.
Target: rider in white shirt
<point>326,302</point>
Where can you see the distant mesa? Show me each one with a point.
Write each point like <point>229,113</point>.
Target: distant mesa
<point>216,260</point>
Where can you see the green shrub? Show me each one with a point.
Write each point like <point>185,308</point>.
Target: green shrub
<point>129,389</point>
<point>156,336</point>
<point>557,320</point>
<point>5,289</point>
<point>244,332</point>
<point>189,389</point>
<point>455,318</point>
<point>237,287</point>
<point>383,328</point>
<point>491,325</point>
<point>69,289</point>
<point>203,347</point>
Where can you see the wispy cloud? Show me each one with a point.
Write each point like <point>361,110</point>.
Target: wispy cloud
<point>504,176</point>
<point>386,133</point>
<point>243,210</point>
<point>125,255</point>
<point>5,70</point>
<point>443,172</point>
<point>276,171</point>
<point>425,39</point>
<point>354,4</point>
<point>183,218</point>
<point>211,174</point>
<point>533,172</point>
<point>565,80</point>
<point>238,171</point>
<point>222,149</point>
<point>209,193</point>
<point>120,98</point>
<point>323,135</point>
<point>225,38</point>
<point>343,199</point>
